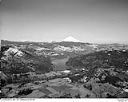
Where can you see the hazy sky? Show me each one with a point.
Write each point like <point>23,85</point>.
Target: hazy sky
<point>54,20</point>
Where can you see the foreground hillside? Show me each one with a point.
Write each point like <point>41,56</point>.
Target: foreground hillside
<point>102,59</point>
<point>27,70</point>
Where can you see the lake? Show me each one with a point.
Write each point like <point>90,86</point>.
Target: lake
<point>60,64</point>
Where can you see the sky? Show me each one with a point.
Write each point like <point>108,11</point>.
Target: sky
<point>96,21</point>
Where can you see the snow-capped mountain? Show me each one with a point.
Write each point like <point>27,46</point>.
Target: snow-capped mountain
<point>70,39</point>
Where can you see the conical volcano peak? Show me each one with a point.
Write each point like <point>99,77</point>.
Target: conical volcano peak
<point>70,39</point>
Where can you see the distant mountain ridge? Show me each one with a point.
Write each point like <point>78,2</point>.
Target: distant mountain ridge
<point>63,48</point>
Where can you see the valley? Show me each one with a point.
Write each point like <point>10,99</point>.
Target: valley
<point>63,70</point>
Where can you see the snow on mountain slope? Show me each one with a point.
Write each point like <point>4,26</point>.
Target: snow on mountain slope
<point>13,50</point>
<point>68,49</point>
<point>94,46</point>
<point>42,48</point>
<point>62,48</point>
<point>70,39</point>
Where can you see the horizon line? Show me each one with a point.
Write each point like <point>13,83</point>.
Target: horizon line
<point>64,41</point>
